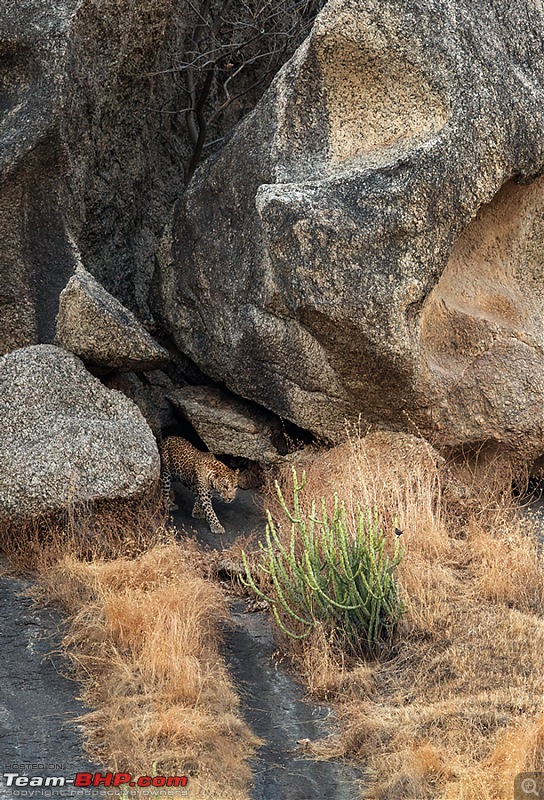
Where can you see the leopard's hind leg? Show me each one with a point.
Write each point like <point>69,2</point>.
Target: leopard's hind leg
<point>167,490</point>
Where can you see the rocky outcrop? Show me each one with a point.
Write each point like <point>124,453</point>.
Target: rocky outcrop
<point>149,392</point>
<point>229,425</point>
<point>37,255</point>
<point>366,245</point>
<point>65,438</point>
<point>96,136</point>
<point>88,170</point>
<point>95,326</point>
<point>481,331</point>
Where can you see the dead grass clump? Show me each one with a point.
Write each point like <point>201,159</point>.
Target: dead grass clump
<point>427,588</point>
<point>519,748</point>
<point>506,564</point>
<point>322,664</point>
<point>104,529</point>
<point>453,710</point>
<point>143,638</point>
<point>396,473</point>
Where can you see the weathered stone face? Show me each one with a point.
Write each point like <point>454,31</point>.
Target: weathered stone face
<point>66,439</point>
<point>36,256</point>
<point>311,259</point>
<point>481,377</point>
<point>89,163</point>
<point>96,327</point>
<point>227,424</point>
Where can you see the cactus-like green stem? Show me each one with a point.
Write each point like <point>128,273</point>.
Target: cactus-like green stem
<point>329,574</point>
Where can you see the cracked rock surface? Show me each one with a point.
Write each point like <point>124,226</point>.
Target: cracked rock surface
<point>96,327</point>
<point>369,243</point>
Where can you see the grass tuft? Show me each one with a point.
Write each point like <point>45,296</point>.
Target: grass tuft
<point>143,638</point>
<point>453,711</point>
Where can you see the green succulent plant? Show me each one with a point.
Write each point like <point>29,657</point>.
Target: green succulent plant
<point>331,573</point>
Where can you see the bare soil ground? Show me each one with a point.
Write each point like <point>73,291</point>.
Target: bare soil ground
<point>38,702</point>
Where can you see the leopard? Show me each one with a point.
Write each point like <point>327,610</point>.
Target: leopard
<point>201,472</point>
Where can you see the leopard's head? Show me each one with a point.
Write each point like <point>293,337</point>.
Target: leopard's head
<point>225,484</point>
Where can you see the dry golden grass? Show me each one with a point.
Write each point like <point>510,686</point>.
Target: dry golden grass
<point>143,638</point>
<point>143,635</point>
<point>93,530</point>
<point>452,711</point>
<point>506,564</point>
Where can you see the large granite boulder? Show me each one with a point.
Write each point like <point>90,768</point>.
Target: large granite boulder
<point>37,255</point>
<point>148,396</point>
<point>95,136</point>
<point>65,438</point>
<point>95,326</point>
<point>481,331</point>
<point>368,244</point>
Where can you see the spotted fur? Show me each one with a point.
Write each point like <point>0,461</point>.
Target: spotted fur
<point>200,472</point>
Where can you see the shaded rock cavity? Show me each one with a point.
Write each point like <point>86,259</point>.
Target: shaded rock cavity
<point>228,424</point>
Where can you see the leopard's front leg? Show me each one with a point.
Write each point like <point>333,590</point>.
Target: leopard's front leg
<point>198,512</point>
<point>203,508</point>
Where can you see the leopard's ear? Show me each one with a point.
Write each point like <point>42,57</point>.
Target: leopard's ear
<point>237,471</point>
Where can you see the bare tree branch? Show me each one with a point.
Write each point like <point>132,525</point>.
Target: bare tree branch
<point>232,51</point>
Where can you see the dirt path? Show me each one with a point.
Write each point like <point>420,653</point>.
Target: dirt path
<point>240,518</point>
<point>274,707</point>
<point>37,703</point>
<point>272,701</point>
